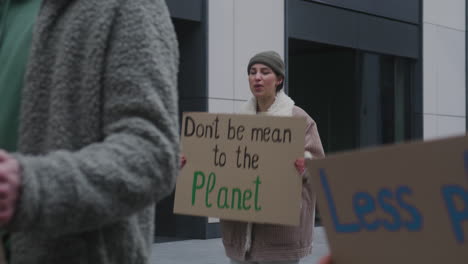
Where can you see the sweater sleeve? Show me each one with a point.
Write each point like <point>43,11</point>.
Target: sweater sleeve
<point>313,144</point>
<point>136,162</point>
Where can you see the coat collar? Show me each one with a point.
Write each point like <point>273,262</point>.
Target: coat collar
<point>282,106</point>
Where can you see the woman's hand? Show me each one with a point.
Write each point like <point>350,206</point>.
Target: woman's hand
<point>183,161</point>
<point>326,260</point>
<point>300,165</point>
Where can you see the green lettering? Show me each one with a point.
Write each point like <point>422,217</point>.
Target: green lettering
<point>239,201</point>
<point>244,198</point>
<point>195,186</point>
<point>209,188</point>
<point>225,205</point>
<point>257,183</point>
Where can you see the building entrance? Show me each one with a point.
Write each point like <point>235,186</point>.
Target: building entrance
<point>357,98</point>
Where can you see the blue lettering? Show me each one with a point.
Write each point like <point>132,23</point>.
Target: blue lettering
<point>417,222</point>
<point>363,204</point>
<point>339,227</point>
<point>390,209</point>
<point>457,217</point>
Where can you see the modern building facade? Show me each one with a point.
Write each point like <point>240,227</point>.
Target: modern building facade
<point>369,72</point>
<point>444,75</point>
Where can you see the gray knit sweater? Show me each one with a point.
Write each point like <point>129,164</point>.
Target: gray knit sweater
<point>99,132</point>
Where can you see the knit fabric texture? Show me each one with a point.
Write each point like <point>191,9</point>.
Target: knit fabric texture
<point>270,59</point>
<point>99,136</point>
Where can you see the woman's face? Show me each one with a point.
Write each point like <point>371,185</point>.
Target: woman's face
<point>263,81</point>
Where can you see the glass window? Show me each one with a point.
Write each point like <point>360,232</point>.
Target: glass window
<point>385,112</point>
<point>358,99</point>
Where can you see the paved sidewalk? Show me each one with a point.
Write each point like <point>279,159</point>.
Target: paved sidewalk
<point>211,251</point>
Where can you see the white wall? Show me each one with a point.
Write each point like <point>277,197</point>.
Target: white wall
<point>237,30</point>
<point>444,68</point>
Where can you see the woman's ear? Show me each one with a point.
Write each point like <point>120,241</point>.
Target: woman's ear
<point>279,80</point>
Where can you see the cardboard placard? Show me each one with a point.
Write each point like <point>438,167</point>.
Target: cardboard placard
<point>241,167</point>
<point>402,204</point>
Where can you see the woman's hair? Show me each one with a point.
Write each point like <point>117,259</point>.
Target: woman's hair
<point>271,59</point>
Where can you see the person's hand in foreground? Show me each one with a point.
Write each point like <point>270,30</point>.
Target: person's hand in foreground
<point>10,182</point>
<point>326,260</point>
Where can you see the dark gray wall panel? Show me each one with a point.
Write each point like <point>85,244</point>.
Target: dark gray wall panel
<point>213,230</point>
<point>417,103</point>
<point>404,10</point>
<point>321,23</point>
<point>190,24</point>
<point>186,9</point>
<point>331,25</point>
<point>387,36</point>
<point>359,5</point>
<point>193,58</point>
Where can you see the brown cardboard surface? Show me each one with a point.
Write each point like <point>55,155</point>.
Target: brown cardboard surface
<point>420,194</point>
<point>269,191</point>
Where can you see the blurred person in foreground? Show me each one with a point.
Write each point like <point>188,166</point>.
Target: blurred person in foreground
<point>88,127</point>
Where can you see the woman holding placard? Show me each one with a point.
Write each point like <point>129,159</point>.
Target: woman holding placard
<point>267,243</point>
